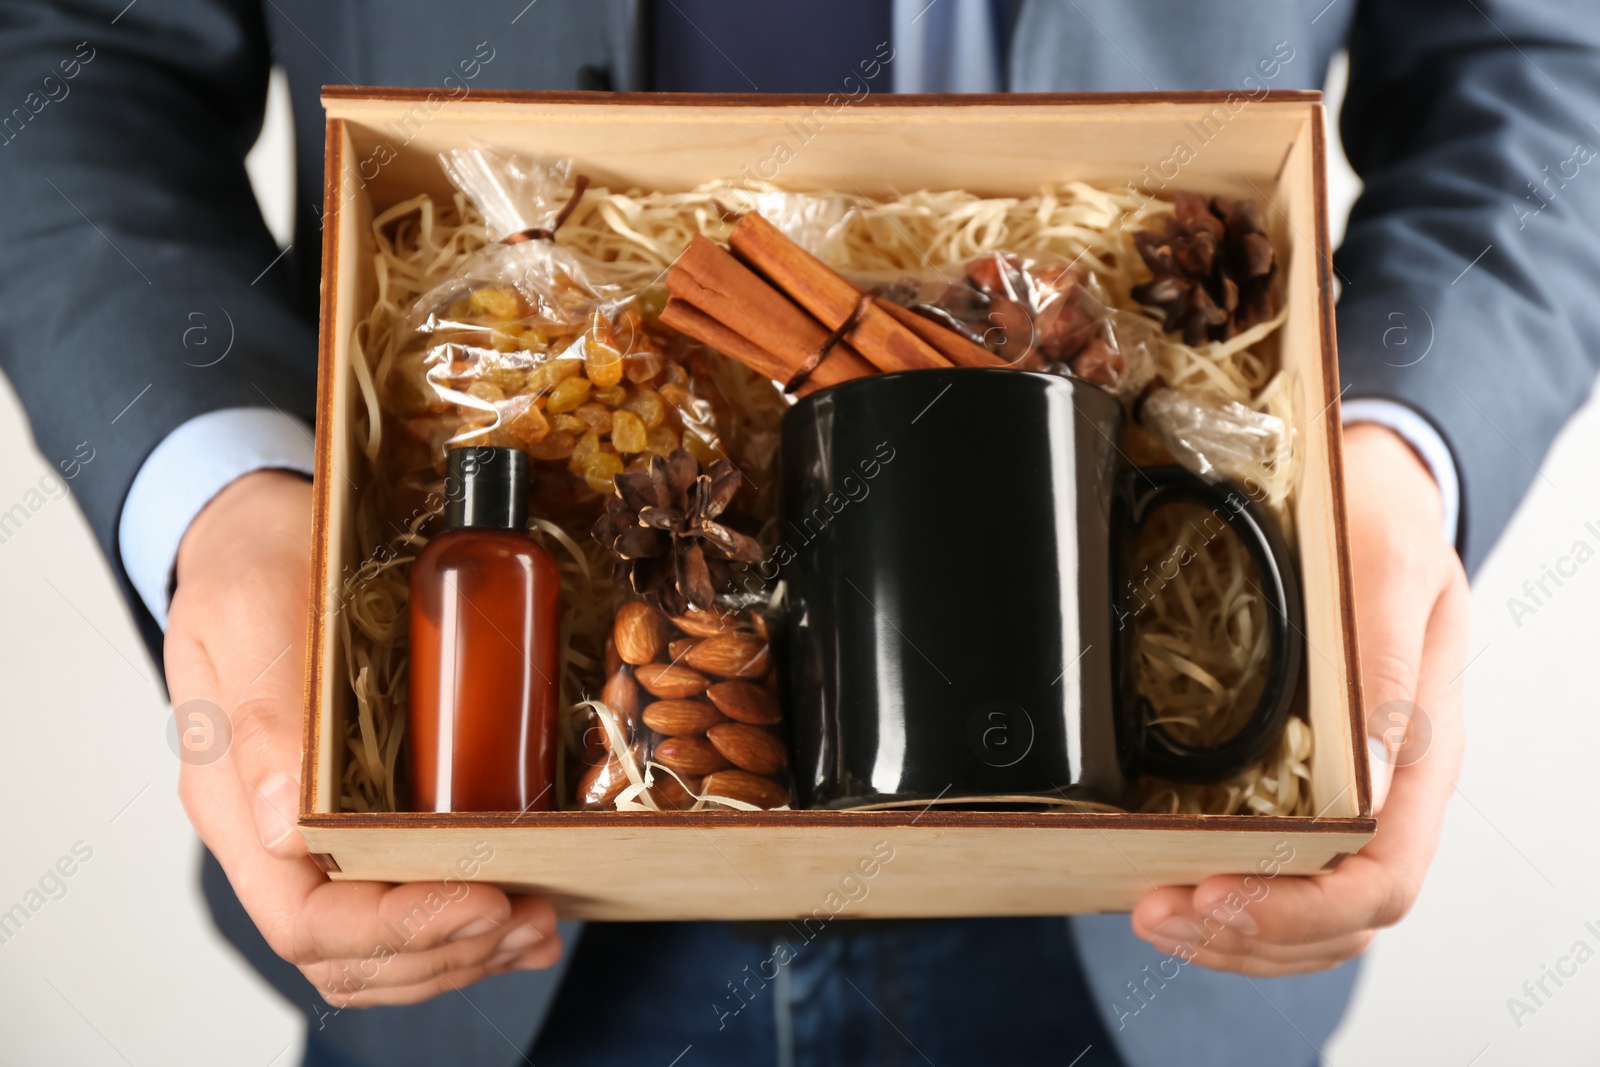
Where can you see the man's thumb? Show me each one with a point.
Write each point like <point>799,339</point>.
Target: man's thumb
<point>277,803</point>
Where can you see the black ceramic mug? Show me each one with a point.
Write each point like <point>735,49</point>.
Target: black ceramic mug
<point>960,618</point>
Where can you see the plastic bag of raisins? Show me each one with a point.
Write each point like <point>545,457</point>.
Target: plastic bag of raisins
<point>530,345</point>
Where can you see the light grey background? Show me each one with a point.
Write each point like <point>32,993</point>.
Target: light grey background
<point>124,968</point>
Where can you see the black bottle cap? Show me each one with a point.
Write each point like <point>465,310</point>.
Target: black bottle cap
<point>487,488</point>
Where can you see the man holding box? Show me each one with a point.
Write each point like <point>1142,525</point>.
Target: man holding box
<point>1469,123</point>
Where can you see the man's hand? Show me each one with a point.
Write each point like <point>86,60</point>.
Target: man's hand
<point>236,638</point>
<point>1412,616</point>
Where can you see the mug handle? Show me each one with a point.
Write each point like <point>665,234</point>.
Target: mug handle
<point>1144,490</point>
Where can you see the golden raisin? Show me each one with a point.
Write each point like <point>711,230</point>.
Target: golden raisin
<point>595,416</point>
<point>570,424</point>
<point>700,449</point>
<point>611,396</point>
<point>674,374</point>
<point>602,363</point>
<point>600,471</point>
<point>648,405</point>
<point>499,303</point>
<point>563,368</point>
<point>676,395</point>
<point>628,432</point>
<point>661,441</point>
<point>555,446</point>
<point>525,422</point>
<point>502,339</point>
<point>588,445</point>
<point>483,412</point>
<point>568,395</point>
<point>642,366</point>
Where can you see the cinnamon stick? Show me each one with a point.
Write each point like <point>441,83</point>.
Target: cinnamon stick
<point>877,335</point>
<point>726,291</point>
<point>951,345</point>
<point>692,322</point>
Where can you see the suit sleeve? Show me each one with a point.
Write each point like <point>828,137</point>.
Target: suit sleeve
<point>1473,254</point>
<point>140,288</point>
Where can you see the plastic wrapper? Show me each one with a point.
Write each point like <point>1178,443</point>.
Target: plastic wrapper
<point>689,718</point>
<point>1215,439</point>
<point>1049,316</point>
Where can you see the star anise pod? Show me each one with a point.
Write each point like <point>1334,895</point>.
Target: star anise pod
<point>1213,268</point>
<point>666,524</point>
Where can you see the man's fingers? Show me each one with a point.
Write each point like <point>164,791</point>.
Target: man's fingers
<point>344,920</point>
<point>1394,596</point>
<point>537,958</point>
<point>1410,824</point>
<point>529,933</point>
<point>1280,962</point>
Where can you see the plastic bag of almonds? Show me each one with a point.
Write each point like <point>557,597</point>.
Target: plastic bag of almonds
<point>689,718</point>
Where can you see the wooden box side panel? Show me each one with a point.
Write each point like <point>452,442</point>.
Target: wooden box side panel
<point>994,149</point>
<point>817,872</point>
<point>1339,784</point>
<point>347,292</point>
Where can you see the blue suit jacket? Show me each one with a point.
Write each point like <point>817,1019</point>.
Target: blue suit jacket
<point>1471,124</point>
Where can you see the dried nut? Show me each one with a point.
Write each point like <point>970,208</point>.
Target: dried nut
<point>613,661</point>
<point>621,695</point>
<point>640,631</point>
<point>735,655</point>
<point>703,623</point>
<point>749,747</point>
<point>600,784</point>
<point>681,717</point>
<point>746,702</point>
<point>689,756</point>
<point>680,648</point>
<point>750,788</point>
<point>670,794</point>
<point>592,744</point>
<point>671,683</point>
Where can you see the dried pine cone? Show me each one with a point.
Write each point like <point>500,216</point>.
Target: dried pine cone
<point>663,524</point>
<point>1213,267</point>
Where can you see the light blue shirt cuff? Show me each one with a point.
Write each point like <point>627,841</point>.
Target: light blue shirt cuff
<point>1420,435</point>
<point>191,465</point>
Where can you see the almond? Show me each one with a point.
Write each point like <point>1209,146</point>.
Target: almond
<point>669,682</point>
<point>749,747</point>
<point>613,661</point>
<point>746,702</point>
<point>670,795</point>
<point>684,718</point>
<point>734,655</point>
<point>750,788</point>
<point>640,631</point>
<point>689,756</point>
<point>680,648</point>
<point>592,744</point>
<point>600,784</point>
<point>703,623</point>
<point>621,695</point>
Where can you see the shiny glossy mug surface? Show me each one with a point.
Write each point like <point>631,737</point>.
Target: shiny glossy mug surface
<point>953,544</point>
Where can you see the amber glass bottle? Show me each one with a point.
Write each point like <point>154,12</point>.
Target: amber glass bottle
<point>484,631</point>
